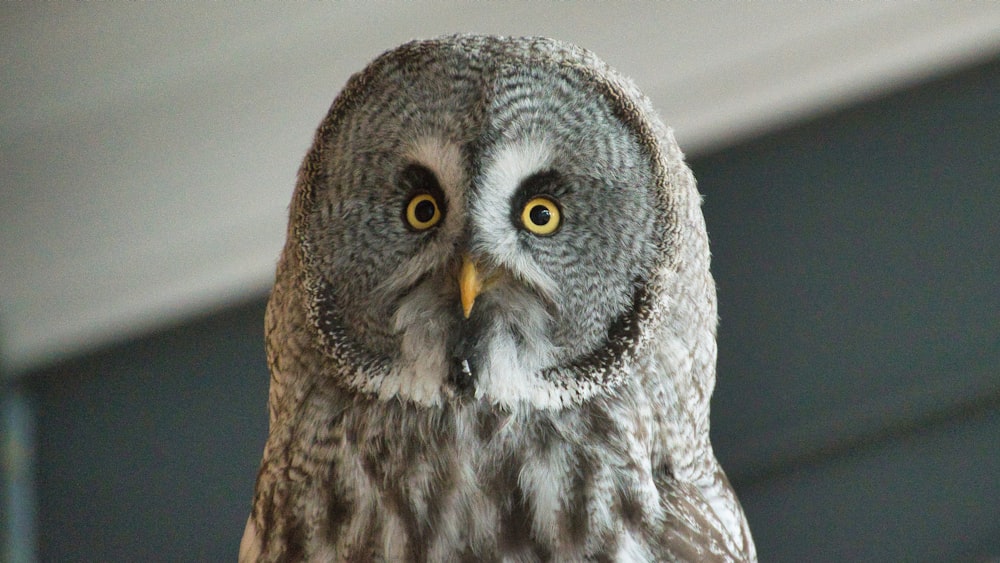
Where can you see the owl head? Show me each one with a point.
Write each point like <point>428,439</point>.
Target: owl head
<point>495,219</point>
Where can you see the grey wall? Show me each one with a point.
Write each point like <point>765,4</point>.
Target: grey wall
<point>148,451</point>
<point>858,265</point>
<point>858,403</point>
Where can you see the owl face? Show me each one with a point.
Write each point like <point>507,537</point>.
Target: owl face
<point>476,228</point>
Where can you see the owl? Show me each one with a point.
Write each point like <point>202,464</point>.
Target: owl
<point>492,331</point>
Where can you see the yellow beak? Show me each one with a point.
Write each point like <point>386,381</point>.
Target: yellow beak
<point>469,285</point>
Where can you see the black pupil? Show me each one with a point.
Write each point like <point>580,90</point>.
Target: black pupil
<point>424,211</point>
<point>540,215</point>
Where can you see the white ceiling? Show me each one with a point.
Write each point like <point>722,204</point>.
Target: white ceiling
<point>149,150</point>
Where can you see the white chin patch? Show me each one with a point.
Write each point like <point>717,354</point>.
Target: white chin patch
<point>510,366</point>
<point>506,368</point>
<point>502,379</point>
<point>421,373</point>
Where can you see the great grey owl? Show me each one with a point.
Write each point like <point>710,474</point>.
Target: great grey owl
<point>492,331</point>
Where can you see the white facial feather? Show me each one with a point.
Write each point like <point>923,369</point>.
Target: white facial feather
<point>394,538</point>
<point>512,164</point>
<point>423,364</point>
<point>631,550</point>
<point>444,159</point>
<point>549,493</point>
<point>419,319</point>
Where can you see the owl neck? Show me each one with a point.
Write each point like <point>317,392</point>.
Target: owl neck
<point>576,484</point>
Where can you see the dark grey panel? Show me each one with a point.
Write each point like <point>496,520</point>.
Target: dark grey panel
<point>858,264</point>
<point>931,496</point>
<point>149,451</point>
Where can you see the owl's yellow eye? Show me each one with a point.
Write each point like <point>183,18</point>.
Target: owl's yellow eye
<point>422,212</point>
<point>541,216</point>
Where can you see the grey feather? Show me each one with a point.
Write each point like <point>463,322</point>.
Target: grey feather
<point>567,417</point>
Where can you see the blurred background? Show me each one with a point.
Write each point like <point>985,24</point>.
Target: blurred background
<point>849,154</point>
